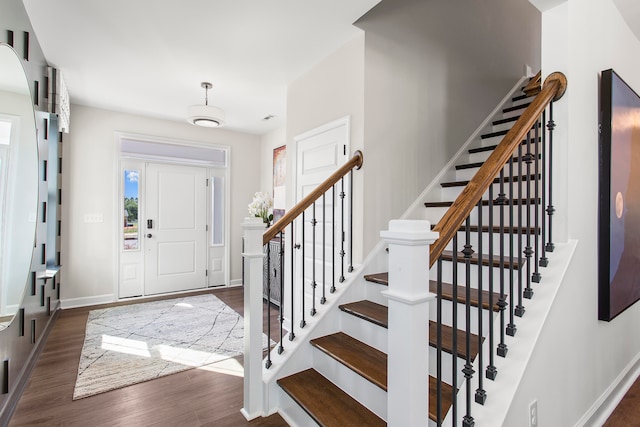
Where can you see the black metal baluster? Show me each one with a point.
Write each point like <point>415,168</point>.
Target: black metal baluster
<point>454,325</point>
<point>333,239</point>
<point>550,209</point>
<point>511,327</point>
<point>267,364</point>
<point>467,420</point>
<point>324,249</point>
<point>350,221</point>
<point>528,251</point>
<point>292,334</point>
<point>439,344</point>
<point>281,311</point>
<point>544,261</point>
<point>481,394</point>
<point>342,253</point>
<point>303,323</point>
<point>536,222</point>
<point>313,262</point>
<point>502,303</point>
<point>520,307</point>
<point>491,371</point>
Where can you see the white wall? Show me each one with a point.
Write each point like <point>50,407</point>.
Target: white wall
<point>578,358</point>
<point>90,187</point>
<point>331,90</point>
<point>434,70</point>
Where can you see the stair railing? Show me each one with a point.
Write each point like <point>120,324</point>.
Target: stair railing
<point>520,165</point>
<point>330,236</point>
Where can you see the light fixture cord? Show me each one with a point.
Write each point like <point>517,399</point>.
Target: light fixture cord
<point>206,96</point>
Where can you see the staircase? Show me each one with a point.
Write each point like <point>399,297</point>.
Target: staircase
<point>347,383</point>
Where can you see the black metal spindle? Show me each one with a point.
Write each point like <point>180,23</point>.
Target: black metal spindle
<point>324,249</point>
<point>342,253</point>
<point>536,222</point>
<point>528,251</point>
<point>439,344</point>
<point>280,308</point>
<point>520,310</point>
<point>268,363</point>
<point>350,221</point>
<point>303,323</point>
<point>502,303</point>
<point>454,339</point>
<point>292,334</point>
<point>481,394</point>
<point>333,239</point>
<point>467,420</point>
<point>511,327</point>
<point>314,222</point>
<point>544,261</point>
<point>550,246</point>
<point>491,371</point>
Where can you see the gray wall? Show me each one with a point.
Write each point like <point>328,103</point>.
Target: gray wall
<point>434,70</point>
<point>19,349</point>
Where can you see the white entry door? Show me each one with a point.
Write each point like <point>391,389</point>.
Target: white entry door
<point>319,153</point>
<point>174,228</point>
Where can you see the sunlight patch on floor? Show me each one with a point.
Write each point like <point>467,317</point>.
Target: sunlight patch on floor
<point>124,345</point>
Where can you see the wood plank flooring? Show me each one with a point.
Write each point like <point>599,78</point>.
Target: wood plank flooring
<point>196,397</point>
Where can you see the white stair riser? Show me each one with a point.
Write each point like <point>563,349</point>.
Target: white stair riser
<point>434,215</point>
<point>501,126</point>
<point>447,275</point>
<point>496,242</point>
<point>468,173</point>
<point>362,390</point>
<point>451,193</point>
<point>365,331</point>
<point>484,155</point>
<point>447,316</point>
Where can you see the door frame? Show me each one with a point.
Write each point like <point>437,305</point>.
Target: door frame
<point>118,185</point>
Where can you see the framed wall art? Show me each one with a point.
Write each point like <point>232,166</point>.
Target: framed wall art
<point>619,197</point>
<point>279,177</point>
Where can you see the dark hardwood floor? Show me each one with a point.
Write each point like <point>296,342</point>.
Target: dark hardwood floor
<point>627,413</point>
<point>196,397</point>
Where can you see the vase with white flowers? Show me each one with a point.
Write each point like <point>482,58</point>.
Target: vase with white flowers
<point>262,207</point>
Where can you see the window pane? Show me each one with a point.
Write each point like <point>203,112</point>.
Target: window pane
<point>130,215</point>
<point>5,132</point>
<point>217,209</point>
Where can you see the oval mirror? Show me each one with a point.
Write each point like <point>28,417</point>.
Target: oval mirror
<point>18,183</point>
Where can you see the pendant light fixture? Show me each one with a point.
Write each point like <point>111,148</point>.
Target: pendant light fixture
<point>206,115</point>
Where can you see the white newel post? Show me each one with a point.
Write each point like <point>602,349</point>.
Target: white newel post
<point>253,265</point>
<point>408,334</point>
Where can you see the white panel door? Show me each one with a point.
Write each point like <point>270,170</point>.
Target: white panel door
<point>318,154</point>
<point>175,228</point>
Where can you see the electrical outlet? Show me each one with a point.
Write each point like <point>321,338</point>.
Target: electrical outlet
<point>533,414</point>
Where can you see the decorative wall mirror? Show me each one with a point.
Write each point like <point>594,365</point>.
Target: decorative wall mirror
<point>18,183</point>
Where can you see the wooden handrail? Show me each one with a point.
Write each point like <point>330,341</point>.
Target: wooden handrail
<point>553,89</point>
<point>533,87</point>
<point>293,213</point>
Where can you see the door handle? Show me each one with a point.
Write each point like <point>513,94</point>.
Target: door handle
<point>149,235</point>
<point>297,246</point>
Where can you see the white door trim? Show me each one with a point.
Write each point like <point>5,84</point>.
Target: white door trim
<point>117,184</point>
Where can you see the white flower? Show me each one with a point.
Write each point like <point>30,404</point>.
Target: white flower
<point>262,206</point>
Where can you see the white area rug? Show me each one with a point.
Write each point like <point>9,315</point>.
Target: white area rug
<point>134,343</point>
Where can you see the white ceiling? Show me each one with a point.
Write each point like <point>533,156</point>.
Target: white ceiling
<point>149,57</point>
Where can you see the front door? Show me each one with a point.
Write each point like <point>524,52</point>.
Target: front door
<point>174,228</point>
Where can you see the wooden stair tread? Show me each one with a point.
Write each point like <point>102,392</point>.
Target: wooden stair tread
<point>495,181</point>
<point>362,309</point>
<point>516,107</point>
<point>479,164</point>
<point>447,291</point>
<point>356,355</point>
<point>448,256</point>
<point>503,121</point>
<point>327,404</point>
<point>376,363</point>
<point>493,147</point>
<point>515,202</point>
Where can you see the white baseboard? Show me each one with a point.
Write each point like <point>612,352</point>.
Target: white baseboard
<point>602,408</point>
<point>86,301</point>
<point>235,282</point>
